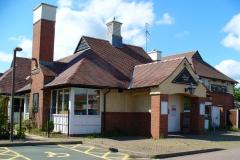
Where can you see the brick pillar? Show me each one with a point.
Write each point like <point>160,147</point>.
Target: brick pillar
<point>159,122</point>
<point>197,120</point>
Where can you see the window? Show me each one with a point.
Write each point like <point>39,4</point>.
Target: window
<point>66,101</point>
<point>87,101</point>
<point>218,88</point>
<point>35,102</point>
<point>54,102</point>
<point>93,102</point>
<point>80,101</point>
<point>27,103</point>
<point>60,101</point>
<point>187,104</point>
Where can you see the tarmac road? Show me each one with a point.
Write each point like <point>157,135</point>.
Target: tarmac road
<point>65,152</point>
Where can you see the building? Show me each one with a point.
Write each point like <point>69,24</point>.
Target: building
<point>109,86</point>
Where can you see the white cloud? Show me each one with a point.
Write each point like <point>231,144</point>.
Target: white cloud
<point>230,67</point>
<point>4,57</point>
<point>232,40</point>
<point>90,20</point>
<point>24,43</point>
<point>166,19</point>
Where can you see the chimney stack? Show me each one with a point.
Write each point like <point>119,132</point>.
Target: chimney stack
<point>114,33</point>
<point>44,17</point>
<point>155,55</point>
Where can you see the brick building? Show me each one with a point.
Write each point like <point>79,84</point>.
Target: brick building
<point>106,85</point>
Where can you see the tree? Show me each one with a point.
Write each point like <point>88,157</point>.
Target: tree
<point>237,94</point>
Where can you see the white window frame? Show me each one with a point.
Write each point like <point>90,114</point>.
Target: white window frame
<point>63,98</point>
<point>87,92</point>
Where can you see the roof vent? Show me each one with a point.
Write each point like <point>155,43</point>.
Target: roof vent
<point>155,55</point>
<point>114,33</point>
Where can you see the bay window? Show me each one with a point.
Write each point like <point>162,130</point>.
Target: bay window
<point>60,101</point>
<point>87,101</point>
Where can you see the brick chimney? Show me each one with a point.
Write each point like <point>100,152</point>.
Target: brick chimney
<point>44,16</point>
<point>114,33</point>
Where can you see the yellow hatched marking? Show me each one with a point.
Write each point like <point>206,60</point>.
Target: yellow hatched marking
<point>82,152</point>
<point>9,152</point>
<point>87,151</point>
<point>90,151</point>
<point>106,154</point>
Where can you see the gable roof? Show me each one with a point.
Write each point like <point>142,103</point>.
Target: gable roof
<point>23,70</point>
<point>152,74</point>
<point>100,65</point>
<point>202,68</point>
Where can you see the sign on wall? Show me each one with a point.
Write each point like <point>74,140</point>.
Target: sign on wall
<point>202,109</point>
<point>184,77</point>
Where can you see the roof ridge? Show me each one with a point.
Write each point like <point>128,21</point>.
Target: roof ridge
<point>181,53</point>
<point>161,61</point>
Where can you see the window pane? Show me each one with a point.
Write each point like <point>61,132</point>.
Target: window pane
<point>54,101</point>
<point>93,102</point>
<point>35,102</point>
<point>27,104</point>
<point>60,100</point>
<point>66,101</point>
<point>80,101</point>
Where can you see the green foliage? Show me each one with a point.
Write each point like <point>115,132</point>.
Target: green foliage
<point>20,132</point>
<point>27,125</point>
<point>50,126</point>
<point>4,127</point>
<point>237,94</point>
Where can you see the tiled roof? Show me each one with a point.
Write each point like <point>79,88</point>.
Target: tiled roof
<point>152,74</point>
<point>202,68</point>
<point>102,65</point>
<point>23,70</point>
<point>24,89</point>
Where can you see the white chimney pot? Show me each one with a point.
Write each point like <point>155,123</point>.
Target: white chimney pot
<point>155,55</point>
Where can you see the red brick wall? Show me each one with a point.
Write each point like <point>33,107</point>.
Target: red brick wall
<point>197,120</point>
<point>43,40</point>
<point>131,123</point>
<point>159,123</point>
<point>226,101</point>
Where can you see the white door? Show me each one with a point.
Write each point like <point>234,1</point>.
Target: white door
<point>174,118</point>
<point>215,114</point>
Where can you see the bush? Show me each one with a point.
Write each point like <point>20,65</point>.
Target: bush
<point>27,125</point>
<point>50,127</point>
<point>20,132</point>
<point>4,126</point>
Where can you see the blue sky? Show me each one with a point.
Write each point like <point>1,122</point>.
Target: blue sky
<point>175,27</point>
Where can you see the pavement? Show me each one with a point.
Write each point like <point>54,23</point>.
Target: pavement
<point>230,154</point>
<point>137,147</point>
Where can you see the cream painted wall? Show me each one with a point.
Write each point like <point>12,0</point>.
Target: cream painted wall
<point>167,87</point>
<point>177,100</point>
<point>128,101</point>
<point>230,87</point>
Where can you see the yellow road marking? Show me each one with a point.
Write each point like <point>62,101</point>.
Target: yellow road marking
<point>87,151</point>
<point>106,154</point>
<point>14,155</point>
<point>81,152</point>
